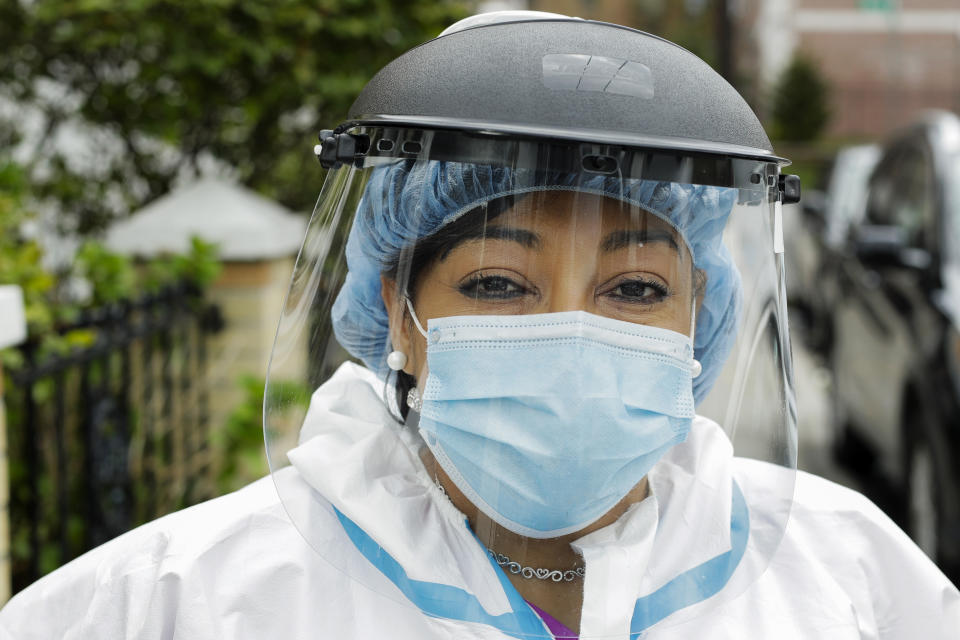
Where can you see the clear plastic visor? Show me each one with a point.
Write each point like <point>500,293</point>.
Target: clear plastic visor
<point>543,376</point>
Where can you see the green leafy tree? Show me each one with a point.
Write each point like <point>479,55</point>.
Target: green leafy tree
<point>240,442</point>
<point>113,273</point>
<point>20,258</point>
<point>111,277</point>
<point>200,266</point>
<point>248,82</point>
<point>800,102</point>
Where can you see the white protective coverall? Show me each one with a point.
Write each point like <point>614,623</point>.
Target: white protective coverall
<point>235,567</point>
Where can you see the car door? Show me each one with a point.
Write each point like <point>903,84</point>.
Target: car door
<point>881,280</point>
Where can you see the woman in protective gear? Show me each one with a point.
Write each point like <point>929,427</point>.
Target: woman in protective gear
<point>542,293</point>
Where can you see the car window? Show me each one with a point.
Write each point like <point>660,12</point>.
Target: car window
<point>847,191</point>
<point>952,244</point>
<point>902,193</point>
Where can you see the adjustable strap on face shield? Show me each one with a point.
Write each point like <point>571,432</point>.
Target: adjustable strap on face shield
<point>788,192</point>
<point>777,227</point>
<point>337,148</point>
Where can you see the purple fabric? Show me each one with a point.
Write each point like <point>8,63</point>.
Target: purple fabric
<point>557,628</point>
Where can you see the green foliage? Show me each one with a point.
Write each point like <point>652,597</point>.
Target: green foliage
<point>800,102</point>
<point>112,277</point>
<point>200,266</point>
<point>240,442</point>
<point>692,28</point>
<point>117,277</point>
<point>249,82</point>
<point>113,273</point>
<point>20,257</point>
<point>879,5</point>
<point>21,264</point>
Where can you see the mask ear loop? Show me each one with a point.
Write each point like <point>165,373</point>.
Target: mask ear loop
<point>695,367</point>
<point>397,360</point>
<point>416,320</point>
<point>413,396</point>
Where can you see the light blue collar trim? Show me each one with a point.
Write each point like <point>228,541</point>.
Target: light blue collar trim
<point>445,601</point>
<point>700,582</point>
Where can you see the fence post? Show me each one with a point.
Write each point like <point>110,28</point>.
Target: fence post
<point>13,330</point>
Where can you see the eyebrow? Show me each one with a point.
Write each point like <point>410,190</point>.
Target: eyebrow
<point>526,239</point>
<point>625,238</point>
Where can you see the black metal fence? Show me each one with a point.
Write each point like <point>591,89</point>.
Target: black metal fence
<point>109,434</point>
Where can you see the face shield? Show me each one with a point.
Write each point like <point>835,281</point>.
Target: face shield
<point>529,356</point>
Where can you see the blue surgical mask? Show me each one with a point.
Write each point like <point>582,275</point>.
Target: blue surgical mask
<point>546,421</point>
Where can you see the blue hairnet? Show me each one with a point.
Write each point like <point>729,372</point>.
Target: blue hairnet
<point>406,201</point>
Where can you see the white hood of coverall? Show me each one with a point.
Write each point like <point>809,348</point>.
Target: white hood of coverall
<point>235,568</point>
<point>367,466</point>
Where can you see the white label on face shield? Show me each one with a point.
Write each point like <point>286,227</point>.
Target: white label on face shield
<point>777,227</point>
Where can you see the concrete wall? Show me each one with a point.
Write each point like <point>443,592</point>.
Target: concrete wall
<point>250,296</point>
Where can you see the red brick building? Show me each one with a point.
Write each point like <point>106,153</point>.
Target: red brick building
<point>885,60</point>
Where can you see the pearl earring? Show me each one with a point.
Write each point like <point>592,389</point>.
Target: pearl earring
<point>696,369</point>
<point>413,400</point>
<point>397,360</point>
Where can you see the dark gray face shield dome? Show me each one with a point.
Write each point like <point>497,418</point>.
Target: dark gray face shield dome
<point>567,133</point>
<point>567,79</point>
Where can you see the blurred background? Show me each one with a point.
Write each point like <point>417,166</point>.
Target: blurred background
<point>157,171</point>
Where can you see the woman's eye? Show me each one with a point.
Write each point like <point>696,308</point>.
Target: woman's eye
<point>491,287</point>
<point>640,291</point>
